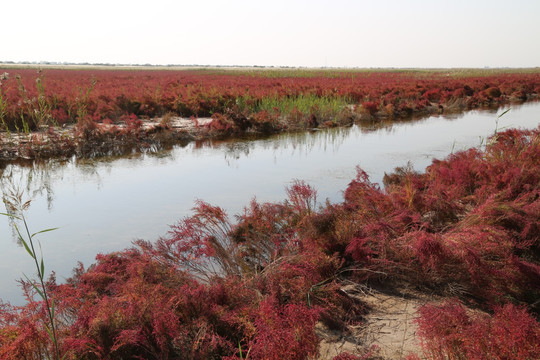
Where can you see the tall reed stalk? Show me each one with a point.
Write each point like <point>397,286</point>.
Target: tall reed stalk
<point>82,101</point>
<point>16,207</point>
<point>3,103</point>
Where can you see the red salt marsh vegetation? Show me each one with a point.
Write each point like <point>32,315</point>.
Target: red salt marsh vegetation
<point>262,286</point>
<point>88,112</point>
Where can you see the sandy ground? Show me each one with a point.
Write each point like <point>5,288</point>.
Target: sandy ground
<point>179,123</point>
<point>388,326</point>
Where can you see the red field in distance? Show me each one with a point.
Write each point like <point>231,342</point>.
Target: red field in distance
<point>66,96</point>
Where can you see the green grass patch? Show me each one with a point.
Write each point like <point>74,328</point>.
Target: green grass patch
<point>306,104</point>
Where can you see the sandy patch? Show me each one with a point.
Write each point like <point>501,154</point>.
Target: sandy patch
<point>389,326</point>
<point>179,123</point>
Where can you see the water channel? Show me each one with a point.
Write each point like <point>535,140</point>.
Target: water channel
<point>102,205</point>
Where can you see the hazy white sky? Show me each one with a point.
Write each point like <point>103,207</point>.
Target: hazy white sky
<point>337,33</point>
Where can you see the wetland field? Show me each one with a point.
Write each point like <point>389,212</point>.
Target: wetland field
<point>215,213</point>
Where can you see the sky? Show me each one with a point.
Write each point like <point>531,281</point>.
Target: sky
<point>299,33</point>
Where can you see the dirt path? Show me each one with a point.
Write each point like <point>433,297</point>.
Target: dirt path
<point>388,327</point>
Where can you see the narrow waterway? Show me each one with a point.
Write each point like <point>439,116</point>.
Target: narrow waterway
<point>102,205</point>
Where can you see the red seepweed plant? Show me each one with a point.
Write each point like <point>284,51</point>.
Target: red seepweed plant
<point>448,331</point>
<point>470,222</point>
<point>73,94</point>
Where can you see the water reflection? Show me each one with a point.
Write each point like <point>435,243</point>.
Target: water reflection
<point>294,144</point>
<point>36,180</point>
<point>307,141</point>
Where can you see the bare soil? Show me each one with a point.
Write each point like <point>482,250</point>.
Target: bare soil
<point>388,329</point>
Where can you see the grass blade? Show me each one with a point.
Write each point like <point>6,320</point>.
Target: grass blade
<point>26,247</point>
<point>43,231</point>
<point>51,336</point>
<point>25,244</point>
<point>42,269</point>
<point>498,116</point>
<point>10,215</point>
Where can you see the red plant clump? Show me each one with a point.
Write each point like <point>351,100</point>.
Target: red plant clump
<point>469,222</point>
<point>284,332</point>
<point>447,331</point>
<point>21,331</point>
<point>132,305</point>
<point>371,107</point>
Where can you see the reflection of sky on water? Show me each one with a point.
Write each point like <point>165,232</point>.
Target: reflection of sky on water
<point>101,206</point>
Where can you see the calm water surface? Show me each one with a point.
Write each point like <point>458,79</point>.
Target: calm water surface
<point>102,205</point>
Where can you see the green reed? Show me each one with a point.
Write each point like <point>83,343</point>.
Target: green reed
<point>16,207</point>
